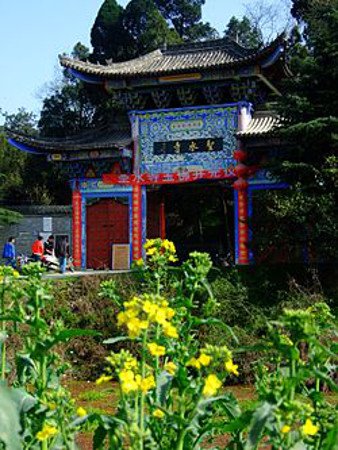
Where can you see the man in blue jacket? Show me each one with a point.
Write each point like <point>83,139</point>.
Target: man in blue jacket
<point>9,252</point>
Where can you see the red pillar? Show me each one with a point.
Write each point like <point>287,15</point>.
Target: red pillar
<point>162,220</point>
<point>243,227</point>
<point>137,222</point>
<point>77,213</point>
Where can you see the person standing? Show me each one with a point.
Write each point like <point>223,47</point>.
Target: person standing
<point>9,252</point>
<point>61,252</point>
<point>49,246</point>
<point>37,249</point>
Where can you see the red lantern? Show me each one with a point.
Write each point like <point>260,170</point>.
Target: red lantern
<point>240,155</point>
<point>241,170</point>
<point>240,184</point>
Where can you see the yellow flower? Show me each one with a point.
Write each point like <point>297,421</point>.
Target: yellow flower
<point>170,367</point>
<point>170,331</point>
<point>169,246</point>
<point>52,406</point>
<point>135,326</point>
<point>309,428</point>
<point>158,413</point>
<point>126,375</point>
<point>139,262</point>
<point>103,379</point>
<point>172,258</point>
<point>130,364</point>
<point>156,350</point>
<point>46,432</point>
<point>129,386</point>
<point>149,243</point>
<point>231,367</point>
<point>151,251</point>
<point>81,412</point>
<point>128,382</point>
<point>211,386</point>
<point>161,316</point>
<point>286,429</point>
<point>150,308</point>
<point>193,362</point>
<point>146,384</point>
<point>169,313</point>
<point>204,359</point>
<point>16,274</point>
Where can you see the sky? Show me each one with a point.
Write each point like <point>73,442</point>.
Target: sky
<point>34,32</point>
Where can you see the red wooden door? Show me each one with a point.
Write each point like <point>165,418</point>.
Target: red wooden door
<point>107,224</point>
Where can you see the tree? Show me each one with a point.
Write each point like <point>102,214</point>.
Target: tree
<point>25,178</point>
<point>310,110</point>
<point>243,32</point>
<point>147,27</point>
<point>185,16</point>
<point>109,38</point>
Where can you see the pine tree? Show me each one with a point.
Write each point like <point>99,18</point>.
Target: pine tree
<point>109,39</point>
<point>147,27</point>
<point>185,16</point>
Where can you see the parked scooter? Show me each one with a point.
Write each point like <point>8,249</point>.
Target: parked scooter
<point>51,263</point>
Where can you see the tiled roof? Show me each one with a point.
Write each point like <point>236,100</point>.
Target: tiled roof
<point>261,124</point>
<point>104,138</point>
<point>220,53</point>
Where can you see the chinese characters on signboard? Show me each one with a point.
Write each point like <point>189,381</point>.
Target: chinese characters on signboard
<point>188,146</point>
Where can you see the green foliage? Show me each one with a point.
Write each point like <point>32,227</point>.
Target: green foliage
<point>41,411</point>
<point>109,39</point>
<point>147,27</point>
<point>185,16</point>
<point>243,32</point>
<point>25,178</point>
<point>310,109</point>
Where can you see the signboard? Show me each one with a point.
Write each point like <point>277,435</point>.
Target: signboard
<point>186,140</point>
<point>121,257</point>
<point>188,146</point>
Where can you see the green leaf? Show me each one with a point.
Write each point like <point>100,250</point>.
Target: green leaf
<point>117,339</point>
<point>331,441</point>
<point>9,420</point>
<point>3,337</point>
<point>162,387</point>
<point>258,422</point>
<point>300,446</point>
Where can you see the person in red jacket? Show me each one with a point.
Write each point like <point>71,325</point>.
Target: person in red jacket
<point>37,249</point>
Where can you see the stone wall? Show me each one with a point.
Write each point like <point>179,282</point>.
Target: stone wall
<point>36,220</point>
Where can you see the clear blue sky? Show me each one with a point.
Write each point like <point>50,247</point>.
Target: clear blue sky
<point>34,32</point>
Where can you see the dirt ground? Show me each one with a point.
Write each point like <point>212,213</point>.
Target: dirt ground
<point>103,398</point>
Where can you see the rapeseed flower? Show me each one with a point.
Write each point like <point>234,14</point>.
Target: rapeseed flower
<point>204,359</point>
<point>46,432</point>
<point>156,350</point>
<point>81,412</point>
<point>145,384</point>
<point>103,379</point>
<point>170,367</point>
<point>135,326</point>
<point>170,331</point>
<point>286,429</point>
<point>158,413</point>
<point>211,385</point>
<point>231,367</point>
<point>309,428</point>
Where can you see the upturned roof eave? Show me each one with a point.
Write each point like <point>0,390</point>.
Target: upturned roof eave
<point>117,71</point>
<point>44,146</point>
